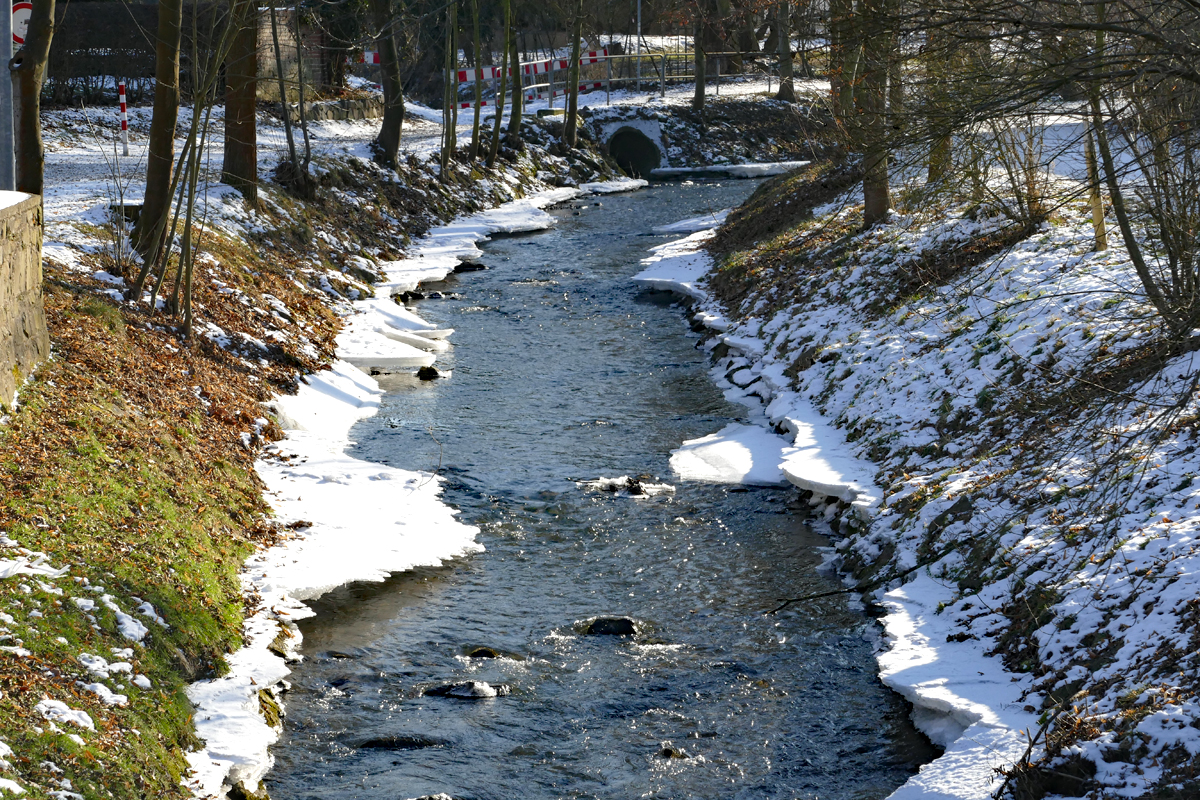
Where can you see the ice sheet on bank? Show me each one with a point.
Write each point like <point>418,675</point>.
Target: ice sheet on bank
<point>614,186</point>
<point>694,224</point>
<point>677,267</point>
<point>733,170</point>
<point>820,461</point>
<point>963,699</point>
<point>362,522</point>
<point>735,454</point>
<point>442,249</point>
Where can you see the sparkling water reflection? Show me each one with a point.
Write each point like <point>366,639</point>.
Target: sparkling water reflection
<point>563,371</point>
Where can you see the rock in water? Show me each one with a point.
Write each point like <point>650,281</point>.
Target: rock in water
<point>469,690</point>
<point>611,626</point>
<point>428,373</point>
<point>483,652</point>
<point>400,743</point>
<point>469,266</point>
<point>670,751</point>
<point>241,792</point>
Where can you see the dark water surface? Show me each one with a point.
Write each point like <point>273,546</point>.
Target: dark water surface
<point>563,371</point>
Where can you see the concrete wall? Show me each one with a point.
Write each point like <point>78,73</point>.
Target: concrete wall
<point>24,340</point>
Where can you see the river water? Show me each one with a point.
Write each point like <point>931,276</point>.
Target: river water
<point>563,372</point>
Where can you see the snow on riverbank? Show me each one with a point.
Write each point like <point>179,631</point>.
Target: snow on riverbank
<point>354,520</point>
<point>963,699</point>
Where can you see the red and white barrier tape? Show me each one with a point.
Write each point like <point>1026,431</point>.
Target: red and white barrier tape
<point>541,67</point>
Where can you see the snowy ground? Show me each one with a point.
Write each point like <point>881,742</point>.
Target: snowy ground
<point>892,425</point>
<point>309,478</point>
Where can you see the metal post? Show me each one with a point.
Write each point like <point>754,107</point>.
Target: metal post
<point>608,82</point>
<point>8,158</point>
<point>550,79</point>
<point>662,75</point>
<point>639,47</point>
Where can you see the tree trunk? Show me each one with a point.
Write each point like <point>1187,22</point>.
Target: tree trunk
<point>516,84</point>
<point>841,83</point>
<point>28,68</point>
<point>872,107</point>
<point>939,158</point>
<point>240,167</point>
<point>700,58</point>
<point>513,138</point>
<point>450,92</point>
<point>387,143</point>
<point>302,177</point>
<point>160,161</point>
<point>787,90</point>
<point>1097,197</point>
<point>478,81</point>
<point>283,101</point>
<point>570,125</point>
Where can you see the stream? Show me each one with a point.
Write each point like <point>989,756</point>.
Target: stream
<point>563,372</point>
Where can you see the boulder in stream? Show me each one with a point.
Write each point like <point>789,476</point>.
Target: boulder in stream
<point>483,652</point>
<point>401,743</point>
<point>469,690</point>
<point>669,750</point>
<point>610,626</point>
<point>428,373</point>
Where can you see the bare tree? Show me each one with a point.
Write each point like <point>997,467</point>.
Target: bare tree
<point>505,68</point>
<point>783,19</point>
<point>240,166</point>
<point>160,160</point>
<point>513,137</point>
<point>871,124</point>
<point>28,68</point>
<point>387,143</point>
<point>571,123</point>
<point>478,76</point>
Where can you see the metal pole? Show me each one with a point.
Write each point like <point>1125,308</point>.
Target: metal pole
<point>608,80</point>
<point>8,158</point>
<point>639,47</point>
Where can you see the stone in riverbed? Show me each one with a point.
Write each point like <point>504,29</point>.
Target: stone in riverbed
<point>469,690</point>
<point>483,652</point>
<point>240,792</point>
<point>428,373</point>
<point>669,750</point>
<point>610,626</point>
<point>400,743</point>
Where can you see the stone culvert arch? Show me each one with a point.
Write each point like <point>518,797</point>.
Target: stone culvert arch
<point>634,151</point>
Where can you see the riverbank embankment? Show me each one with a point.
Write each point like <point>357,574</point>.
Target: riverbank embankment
<point>132,484</point>
<point>131,496</point>
<point>1002,441</point>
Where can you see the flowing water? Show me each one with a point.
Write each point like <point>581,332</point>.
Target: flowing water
<point>564,372</point>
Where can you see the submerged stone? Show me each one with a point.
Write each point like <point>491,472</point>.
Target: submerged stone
<point>400,743</point>
<point>470,690</point>
<point>611,626</point>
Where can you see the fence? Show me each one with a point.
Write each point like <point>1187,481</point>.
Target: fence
<point>97,45</point>
<point>599,69</point>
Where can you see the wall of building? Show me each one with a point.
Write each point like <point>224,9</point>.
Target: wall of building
<point>24,340</point>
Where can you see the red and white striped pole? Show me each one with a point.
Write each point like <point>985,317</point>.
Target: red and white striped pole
<point>124,118</point>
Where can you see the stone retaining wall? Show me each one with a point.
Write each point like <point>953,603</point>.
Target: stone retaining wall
<point>24,340</point>
<point>358,108</point>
